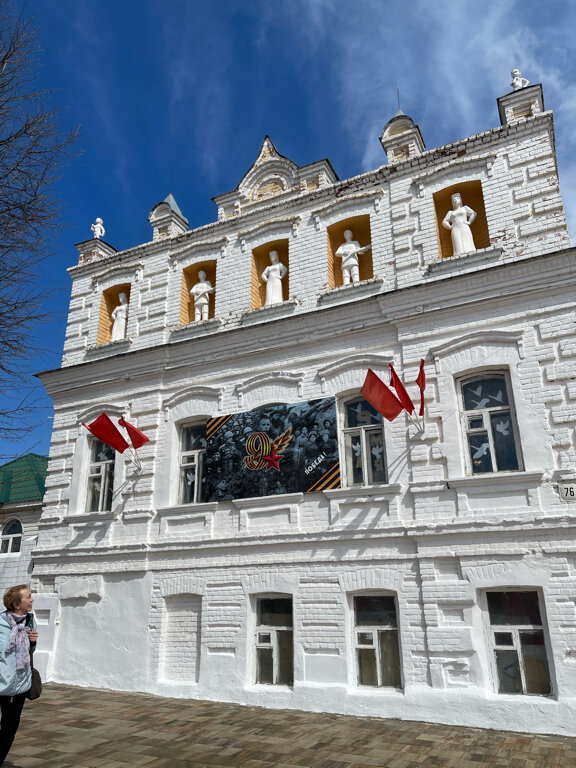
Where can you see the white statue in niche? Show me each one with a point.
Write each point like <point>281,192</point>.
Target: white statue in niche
<point>201,293</point>
<point>98,228</point>
<point>458,221</point>
<point>120,317</point>
<point>273,276</point>
<point>518,81</point>
<point>349,252</point>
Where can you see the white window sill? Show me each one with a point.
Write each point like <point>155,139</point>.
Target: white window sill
<point>89,517</point>
<point>358,492</point>
<point>189,509</point>
<point>10,554</point>
<point>519,479</point>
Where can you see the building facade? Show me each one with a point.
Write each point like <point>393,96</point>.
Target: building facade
<point>276,542</point>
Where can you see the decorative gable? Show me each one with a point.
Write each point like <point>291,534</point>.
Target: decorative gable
<point>270,176</point>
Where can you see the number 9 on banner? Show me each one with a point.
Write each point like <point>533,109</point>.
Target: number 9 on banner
<point>258,445</point>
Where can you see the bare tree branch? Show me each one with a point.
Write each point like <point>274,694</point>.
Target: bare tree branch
<point>32,155</point>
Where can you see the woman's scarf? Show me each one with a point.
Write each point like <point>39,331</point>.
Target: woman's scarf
<point>18,639</point>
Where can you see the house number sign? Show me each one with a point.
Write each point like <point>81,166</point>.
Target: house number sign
<point>567,491</point>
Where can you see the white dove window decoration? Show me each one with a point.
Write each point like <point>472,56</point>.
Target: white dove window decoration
<point>490,429</point>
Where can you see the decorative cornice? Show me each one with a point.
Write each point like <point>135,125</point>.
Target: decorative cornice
<point>204,245</point>
<point>343,202</point>
<point>457,164</point>
<point>132,267</point>
<point>478,338</point>
<point>190,393</point>
<point>271,377</point>
<point>271,224</point>
<point>362,360</point>
<point>95,410</point>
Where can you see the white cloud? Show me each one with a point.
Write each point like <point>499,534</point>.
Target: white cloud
<point>451,60</point>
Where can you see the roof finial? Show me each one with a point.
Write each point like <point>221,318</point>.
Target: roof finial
<point>398,94</point>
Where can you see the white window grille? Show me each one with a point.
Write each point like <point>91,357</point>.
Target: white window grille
<point>11,539</point>
<point>100,477</point>
<point>518,641</point>
<point>376,641</point>
<point>274,641</point>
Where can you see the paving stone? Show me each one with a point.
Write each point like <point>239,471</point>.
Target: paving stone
<point>85,728</point>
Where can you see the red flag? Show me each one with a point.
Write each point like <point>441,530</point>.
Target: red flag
<point>137,438</point>
<point>421,381</point>
<point>104,430</point>
<point>403,395</point>
<point>380,396</point>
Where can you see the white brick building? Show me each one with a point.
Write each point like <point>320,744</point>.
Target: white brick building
<point>436,581</point>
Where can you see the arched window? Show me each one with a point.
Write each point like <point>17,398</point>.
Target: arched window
<point>274,640</point>
<point>376,641</point>
<point>192,480</point>
<point>11,539</point>
<point>490,424</point>
<point>363,438</point>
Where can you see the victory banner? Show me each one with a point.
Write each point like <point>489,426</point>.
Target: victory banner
<point>276,449</point>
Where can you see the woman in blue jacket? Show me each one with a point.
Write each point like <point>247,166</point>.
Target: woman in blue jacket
<point>16,636</point>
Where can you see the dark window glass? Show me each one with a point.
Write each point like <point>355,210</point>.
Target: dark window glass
<point>15,526</point>
<point>275,612</point>
<point>480,452</point>
<point>508,666</point>
<point>514,608</point>
<point>359,413</point>
<point>535,662</point>
<point>484,393</point>
<point>374,610</point>
<point>504,441</point>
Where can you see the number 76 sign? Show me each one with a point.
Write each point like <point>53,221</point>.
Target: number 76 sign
<point>567,491</point>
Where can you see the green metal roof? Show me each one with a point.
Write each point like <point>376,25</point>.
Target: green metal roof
<point>23,479</point>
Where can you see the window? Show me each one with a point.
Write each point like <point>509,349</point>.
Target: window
<point>363,444</point>
<point>100,477</point>
<point>11,539</point>
<point>518,642</point>
<point>489,425</point>
<point>192,454</point>
<point>274,641</point>
<point>376,641</point>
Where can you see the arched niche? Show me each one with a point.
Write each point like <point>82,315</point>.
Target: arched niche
<point>261,260</point>
<point>110,300</point>
<point>360,227</point>
<point>189,279</point>
<point>472,196</point>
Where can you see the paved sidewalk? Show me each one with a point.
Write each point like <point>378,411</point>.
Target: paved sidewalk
<point>86,728</point>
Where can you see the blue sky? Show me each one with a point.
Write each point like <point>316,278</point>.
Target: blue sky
<point>187,89</point>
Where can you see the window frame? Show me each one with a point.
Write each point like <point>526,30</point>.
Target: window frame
<point>10,538</point>
<point>107,485</point>
<point>375,629</point>
<point>273,643</point>
<point>343,431</point>
<point>515,629</point>
<point>199,463</point>
<point>479,376</point>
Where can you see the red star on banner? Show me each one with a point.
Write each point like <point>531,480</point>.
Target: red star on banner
<point>273,460</point>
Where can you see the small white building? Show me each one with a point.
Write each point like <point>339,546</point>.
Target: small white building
<point>280,545</point>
